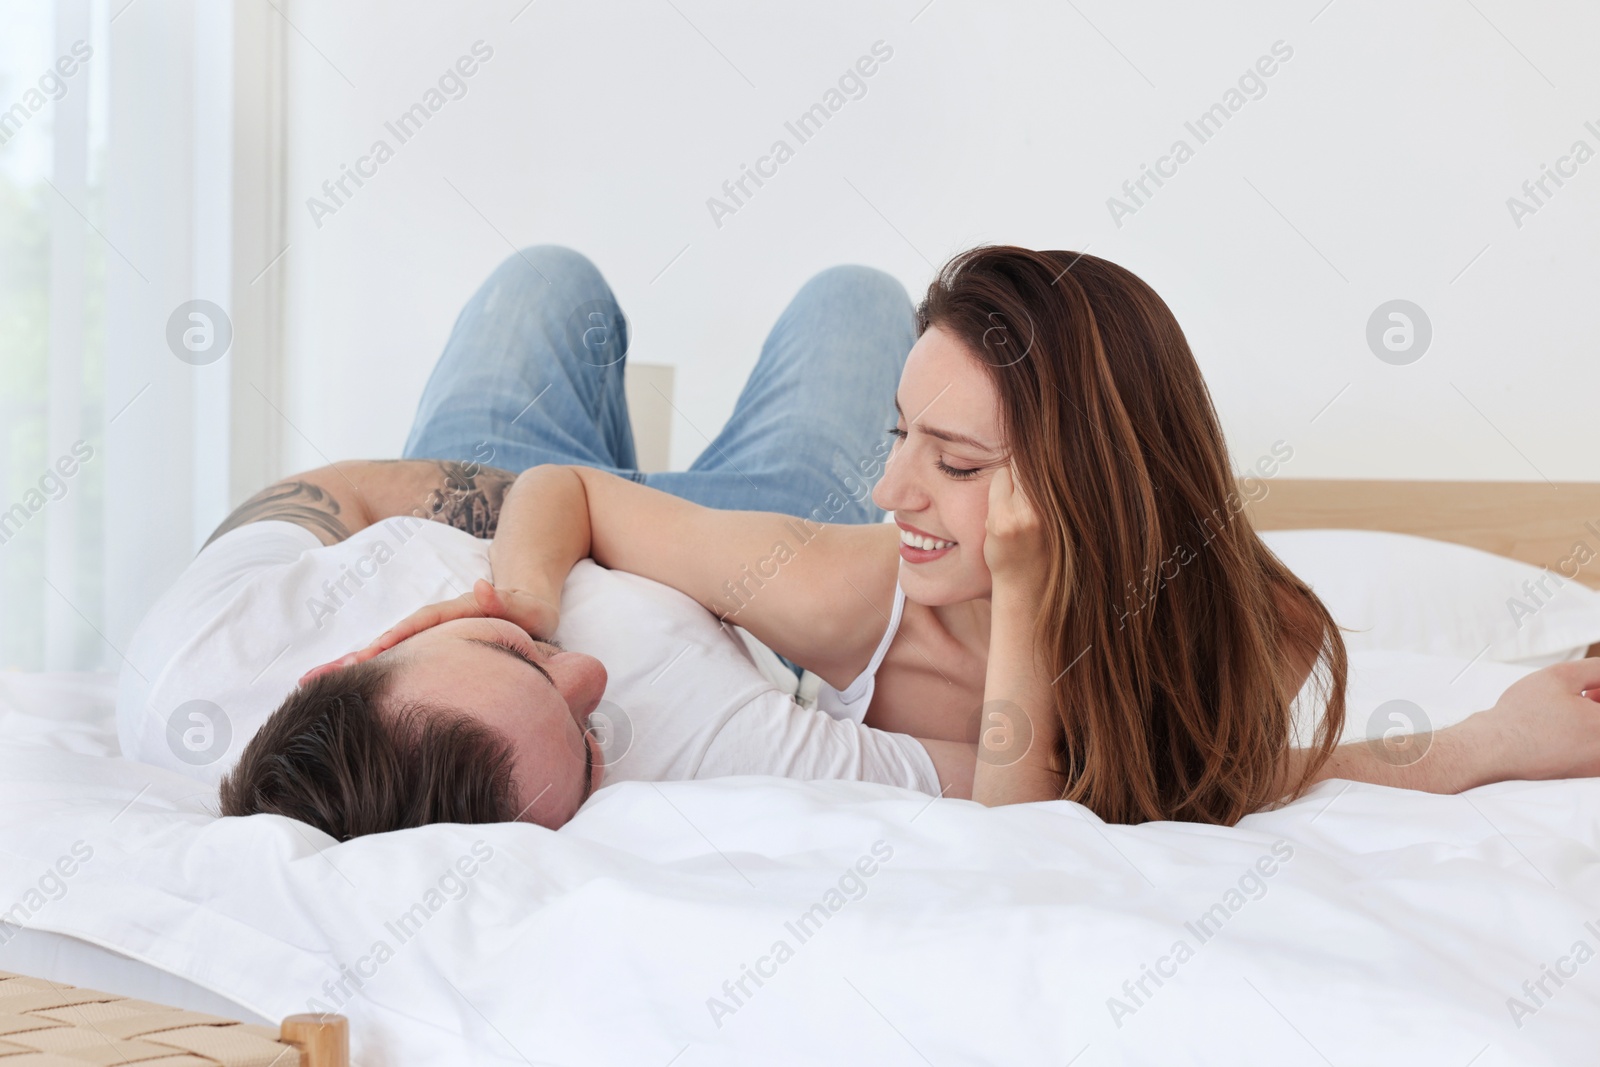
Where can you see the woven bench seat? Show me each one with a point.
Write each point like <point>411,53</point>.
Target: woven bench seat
<point>48,1024</point>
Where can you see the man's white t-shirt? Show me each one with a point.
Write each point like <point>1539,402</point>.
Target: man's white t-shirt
<point>266,602</point>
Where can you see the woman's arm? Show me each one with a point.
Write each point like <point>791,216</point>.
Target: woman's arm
<point>1544,726</point>
<point>815,593</point>
<point>1019,731</point>
<point>544,532</point>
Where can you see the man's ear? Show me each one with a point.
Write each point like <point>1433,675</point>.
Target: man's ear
<point>328,668</point>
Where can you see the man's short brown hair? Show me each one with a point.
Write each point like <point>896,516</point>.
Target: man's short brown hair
<point>335,755</point>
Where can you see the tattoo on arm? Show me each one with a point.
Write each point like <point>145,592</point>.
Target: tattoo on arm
<point>464,495</point>
<point>469,497</point>
<point>301,503</point>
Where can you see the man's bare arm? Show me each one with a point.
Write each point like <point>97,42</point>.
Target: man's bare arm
<point>336,501</point>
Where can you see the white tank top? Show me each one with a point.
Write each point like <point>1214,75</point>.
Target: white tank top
<point>851,703</point>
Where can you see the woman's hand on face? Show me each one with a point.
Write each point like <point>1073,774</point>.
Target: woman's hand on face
<point>1014,545</point>
<point>536,616</point>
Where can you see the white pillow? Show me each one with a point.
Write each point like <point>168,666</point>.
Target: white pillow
<point>1415,594</point>
<point>1410,690</point>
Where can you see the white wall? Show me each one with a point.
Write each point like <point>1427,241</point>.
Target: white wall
<point>191,214</point>
<point>1377,166</point>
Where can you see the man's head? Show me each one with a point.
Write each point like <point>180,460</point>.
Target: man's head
<point>470,721</point>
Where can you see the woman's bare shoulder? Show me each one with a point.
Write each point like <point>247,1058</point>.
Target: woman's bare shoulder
<point>834,595</point>
<point>842,592</point>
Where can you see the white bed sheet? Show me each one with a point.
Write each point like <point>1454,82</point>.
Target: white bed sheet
<point>1396,932</point>
<point>73,712</point>
<point>71,961</point>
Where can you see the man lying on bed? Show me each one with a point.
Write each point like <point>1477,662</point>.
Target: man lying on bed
<point>319,564</point>
<point>473,720</point>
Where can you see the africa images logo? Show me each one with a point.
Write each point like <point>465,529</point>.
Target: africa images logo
<point>199,732</point>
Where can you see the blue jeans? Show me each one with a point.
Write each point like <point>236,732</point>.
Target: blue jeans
<point>532,374</point>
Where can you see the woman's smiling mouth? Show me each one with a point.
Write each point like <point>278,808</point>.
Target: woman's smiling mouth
<point>919,547</point>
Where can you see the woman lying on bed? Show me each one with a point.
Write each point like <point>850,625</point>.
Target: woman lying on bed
<point>1069,582</point>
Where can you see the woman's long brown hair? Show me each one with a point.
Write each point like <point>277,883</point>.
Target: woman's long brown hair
<point>1177,639</point>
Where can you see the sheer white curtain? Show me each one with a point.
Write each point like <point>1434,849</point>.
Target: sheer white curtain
<point>52,334</point>
<point>140,167</point>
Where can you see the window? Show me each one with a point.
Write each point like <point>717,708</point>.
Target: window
<point>53,67</point>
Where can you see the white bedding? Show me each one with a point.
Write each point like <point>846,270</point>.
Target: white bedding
<point>1395,931</point>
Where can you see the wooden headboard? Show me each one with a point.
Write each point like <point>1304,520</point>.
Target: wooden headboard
<point>1548,525</point>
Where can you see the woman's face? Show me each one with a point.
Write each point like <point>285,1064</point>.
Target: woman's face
<point>937,478</point>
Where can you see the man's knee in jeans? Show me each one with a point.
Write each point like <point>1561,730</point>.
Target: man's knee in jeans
<point>545,272</point>
<point>567,293</point>
<point>854,281</point>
